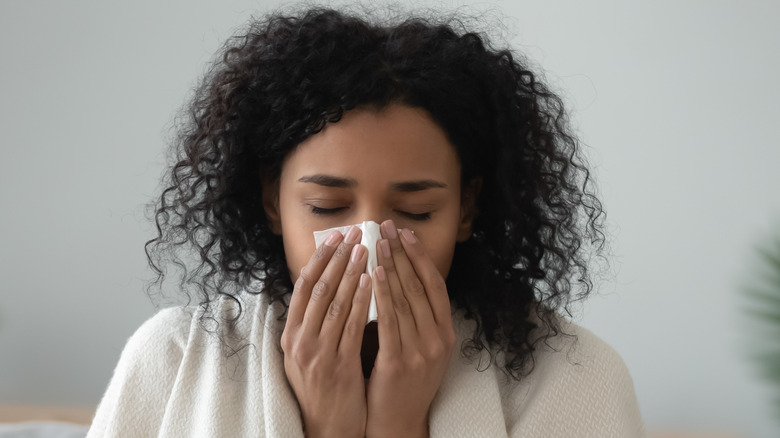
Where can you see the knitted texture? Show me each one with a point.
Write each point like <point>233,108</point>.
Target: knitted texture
<point>176,380</point>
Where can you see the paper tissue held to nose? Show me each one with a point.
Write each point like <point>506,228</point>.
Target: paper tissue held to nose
<point>371,235</point>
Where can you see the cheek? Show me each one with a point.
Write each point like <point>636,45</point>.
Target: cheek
<point>297,235</point>
<point>298,248</point>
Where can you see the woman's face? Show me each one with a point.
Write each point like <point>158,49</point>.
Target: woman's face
<point>396,163</point>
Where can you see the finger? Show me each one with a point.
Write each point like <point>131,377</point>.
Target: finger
<point>324,289</point>
<point>413,288</point>
<point>387,323</point>
<point>308,277</point>
<point>341,305</point>
<point>434,286</point>
<point>352,336</point>
<point>407,327</point>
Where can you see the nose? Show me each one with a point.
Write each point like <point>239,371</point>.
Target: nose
<point>371,211</point>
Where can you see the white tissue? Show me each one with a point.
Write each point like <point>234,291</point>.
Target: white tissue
<point>370,237</point>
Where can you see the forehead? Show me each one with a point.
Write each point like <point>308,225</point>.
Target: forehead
<point>395,143</point>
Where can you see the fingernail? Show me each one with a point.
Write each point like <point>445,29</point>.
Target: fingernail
<point>357,253</point>
<point>333,237</point>
<point>384,245</point>
<point>380,273</point>
<point>352,235</point>
<point>408,235</point>
<point>390,230</point>
<point>364,279</point>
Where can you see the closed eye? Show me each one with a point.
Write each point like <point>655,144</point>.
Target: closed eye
<point>329,211</point>
<point>325,211</point>
<point>415,216</point>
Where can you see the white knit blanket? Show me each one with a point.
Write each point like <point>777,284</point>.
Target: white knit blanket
<point>174,380</point>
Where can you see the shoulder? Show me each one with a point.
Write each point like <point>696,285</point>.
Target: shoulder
<point>576,353</point>
<point>169,334</point>
<point>144,375</point>
<point>582,379</point>
<point>156,348</point>
<point>171,358</point>
<point>166,332</point>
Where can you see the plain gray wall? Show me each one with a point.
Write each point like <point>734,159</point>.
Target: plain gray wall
<point>676,102</point>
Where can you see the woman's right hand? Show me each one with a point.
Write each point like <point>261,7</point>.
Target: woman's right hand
<point>323,334</point>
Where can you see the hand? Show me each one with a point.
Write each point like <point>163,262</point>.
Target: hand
<point>416,337</point>
<point>322,337</point>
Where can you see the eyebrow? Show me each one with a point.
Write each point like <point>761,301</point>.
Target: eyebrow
<point>329,181</point>
<point>417,186</point>
<point>403,186</point>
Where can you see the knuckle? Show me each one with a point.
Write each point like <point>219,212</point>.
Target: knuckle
<point>304,277</point>
<point>320,291</point>
<point>342,251</point>
<point>437,282</point>
<point>436,350</point>
<point>321,252</point>
<point>449,340</point>
<point>389,268</point>
<point>352,270</point>
<point>388,322</point>
<point>286,342</point>
<point>334,309</point>
<point>350,328</point>
<point>416,362</point>
<point>415,287</point>
<point>401,305</point>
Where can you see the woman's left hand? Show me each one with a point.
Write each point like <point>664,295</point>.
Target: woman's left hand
<point>416,337</point>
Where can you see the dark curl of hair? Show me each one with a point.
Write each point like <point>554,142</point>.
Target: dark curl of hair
<point>287,77</point>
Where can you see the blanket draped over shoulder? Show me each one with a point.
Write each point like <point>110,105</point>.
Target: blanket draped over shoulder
<point>175,380</point>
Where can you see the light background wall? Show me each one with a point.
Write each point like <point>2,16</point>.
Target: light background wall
<point>676,103</point>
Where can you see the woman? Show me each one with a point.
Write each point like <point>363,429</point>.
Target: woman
<point>324,120</point>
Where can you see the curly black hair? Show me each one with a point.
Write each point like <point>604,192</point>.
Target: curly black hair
<point>286,77</point>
